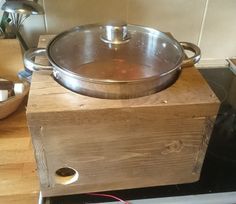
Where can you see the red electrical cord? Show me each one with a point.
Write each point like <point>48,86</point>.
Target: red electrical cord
<point>109,196</point>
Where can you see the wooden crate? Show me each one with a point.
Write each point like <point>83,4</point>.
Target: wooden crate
<point>154,140</point>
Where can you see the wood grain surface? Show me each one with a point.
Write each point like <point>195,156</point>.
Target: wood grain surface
<point>18,178</point>
<point>19,183</point>
<point>10,59</point>
<point>154,140</point>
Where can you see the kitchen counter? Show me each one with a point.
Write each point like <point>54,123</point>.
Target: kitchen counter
<point>18,178</point>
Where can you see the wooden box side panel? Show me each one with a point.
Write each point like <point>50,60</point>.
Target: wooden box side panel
<point>46,95</point>
<point>122,149</point>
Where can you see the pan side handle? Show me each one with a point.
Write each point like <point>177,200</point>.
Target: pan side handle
<point>29,60</point>
<point>190,61</point>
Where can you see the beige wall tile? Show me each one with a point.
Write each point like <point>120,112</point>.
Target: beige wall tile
<point>183,18</point>
<point>180,17</point>
<point>62,15</point>
<point>219,33</point>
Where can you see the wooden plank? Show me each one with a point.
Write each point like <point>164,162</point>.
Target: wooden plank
<point>40,156</point>
<point>208,127</point>
<point>18,178</point>
<point>122,156</point>
<point>123,150</point>
<point>82,116</point>
<point>47,96</point>
<point>20,199</point>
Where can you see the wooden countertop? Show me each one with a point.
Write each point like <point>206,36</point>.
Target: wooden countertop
<point>18,178</point>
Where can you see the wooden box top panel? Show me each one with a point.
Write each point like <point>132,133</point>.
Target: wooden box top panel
<point>46,95</point>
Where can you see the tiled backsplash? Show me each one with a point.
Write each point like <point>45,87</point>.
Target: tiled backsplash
<point>209,23</point>
<point>218,39</point>
<point>182,18</point>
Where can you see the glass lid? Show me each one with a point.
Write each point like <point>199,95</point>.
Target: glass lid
<point>115,53</point>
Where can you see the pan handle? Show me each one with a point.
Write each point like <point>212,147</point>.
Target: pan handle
<point>190,61</point>
<point>33,66</point>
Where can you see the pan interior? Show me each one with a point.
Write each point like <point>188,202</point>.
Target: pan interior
<point>146,54</point>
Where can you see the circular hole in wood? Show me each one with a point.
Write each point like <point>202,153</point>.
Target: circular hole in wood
<point>66,175</point>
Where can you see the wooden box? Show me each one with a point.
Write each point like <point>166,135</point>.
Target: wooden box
<point>154,140</point>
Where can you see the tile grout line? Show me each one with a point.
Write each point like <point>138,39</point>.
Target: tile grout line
<point>45,17</point>
<point>203,22</point>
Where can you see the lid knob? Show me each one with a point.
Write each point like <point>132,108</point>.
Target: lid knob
<point>115,33</point>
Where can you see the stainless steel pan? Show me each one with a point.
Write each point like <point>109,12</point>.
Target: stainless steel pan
<point>114,61</point>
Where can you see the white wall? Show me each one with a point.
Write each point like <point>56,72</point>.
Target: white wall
<point>208,23</point>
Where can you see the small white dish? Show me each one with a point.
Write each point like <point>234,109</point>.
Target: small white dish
<point>18,88</point>
<point>3,95</point>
